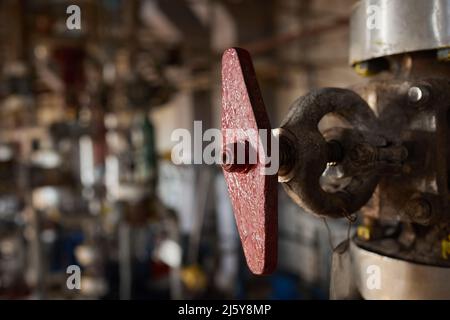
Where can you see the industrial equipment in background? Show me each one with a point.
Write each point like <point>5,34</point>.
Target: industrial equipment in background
<point>78,156</point>
<point>384,153</point>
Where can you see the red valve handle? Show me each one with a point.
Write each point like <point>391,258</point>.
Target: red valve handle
<point>253,195</point>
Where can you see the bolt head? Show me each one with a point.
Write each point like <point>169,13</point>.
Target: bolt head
<point>417,94</point>
<point>419,210</point>
<point>232,162</point>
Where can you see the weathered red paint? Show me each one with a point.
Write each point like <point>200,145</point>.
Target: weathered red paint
<point>254,196</point>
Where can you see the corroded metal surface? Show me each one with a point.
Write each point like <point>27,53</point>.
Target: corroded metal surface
<point>413,202</point>
<point>312,152</point>
<point>392,158</point>
<point>253,195</point>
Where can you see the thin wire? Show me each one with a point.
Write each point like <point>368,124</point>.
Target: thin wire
<point>330,235</point>
<point>351,219</point>
<point>349,230</point>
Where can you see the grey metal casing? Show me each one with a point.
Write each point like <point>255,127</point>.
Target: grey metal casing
<point>386,27</point>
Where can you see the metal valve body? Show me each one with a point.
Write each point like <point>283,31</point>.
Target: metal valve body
<point>391,160</point>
